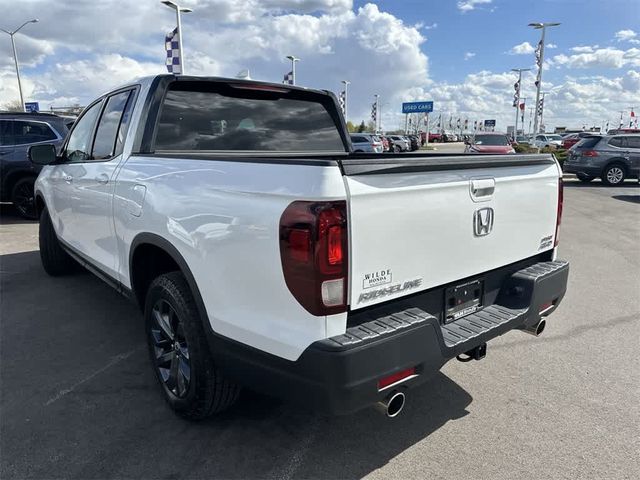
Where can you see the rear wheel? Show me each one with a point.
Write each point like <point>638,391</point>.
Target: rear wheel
<point>584,178</point>
<point>23,199</point>
<point>55,260</point>
<point>191,384</point>
<point>613,174</point>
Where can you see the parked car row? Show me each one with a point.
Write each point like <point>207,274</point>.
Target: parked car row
<point>372,143</point>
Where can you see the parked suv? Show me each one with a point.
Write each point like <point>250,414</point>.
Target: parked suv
<point>611,157</point>
<point>18,131</point>
<point>364,142</point>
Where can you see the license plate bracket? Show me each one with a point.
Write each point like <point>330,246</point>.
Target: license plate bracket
<point>462,300</point>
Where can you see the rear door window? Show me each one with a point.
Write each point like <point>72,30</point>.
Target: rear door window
<point>633,142</point>
<point>617,142</point>
<point>25,132</point>
<point>207,116</point>
<point>104,145</point>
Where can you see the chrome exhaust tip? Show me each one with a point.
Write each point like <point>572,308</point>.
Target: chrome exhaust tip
<point>537,329</point>
<point>392,405</point>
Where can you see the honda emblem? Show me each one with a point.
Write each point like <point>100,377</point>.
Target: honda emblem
<point>483,222</point>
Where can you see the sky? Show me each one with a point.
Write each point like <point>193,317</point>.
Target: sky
<point>456,53</point>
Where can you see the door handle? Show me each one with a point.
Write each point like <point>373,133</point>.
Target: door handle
<point>102,179</point>
<point>68,178</point>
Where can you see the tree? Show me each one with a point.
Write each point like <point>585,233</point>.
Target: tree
<point>371,127</point>
<point>362,127</point>
<point>13,106</point>
<point>351,128</point>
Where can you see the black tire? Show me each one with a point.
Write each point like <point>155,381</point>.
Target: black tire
<point>396,149</point>
<point>614,174</point>
<point>584,178</point>
<point>176,338</point>
<point>55,260</point>
<point>23,199</point>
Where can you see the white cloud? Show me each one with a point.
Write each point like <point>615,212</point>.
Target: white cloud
<point>624,35</point>
<point>522,49</point>
<point>97,47</point>
<point>584,48</point>
<point>607,57</point>
<point>551,45</point>
<point>468,5</point>
<point>430,27</point>
<point>469,55</point>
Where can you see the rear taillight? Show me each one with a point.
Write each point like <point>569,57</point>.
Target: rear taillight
<point>589,153</point>
<point>559,211</point>
<point>313,251</point>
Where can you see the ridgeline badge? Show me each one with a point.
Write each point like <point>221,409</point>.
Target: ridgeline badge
<point>390,290</point>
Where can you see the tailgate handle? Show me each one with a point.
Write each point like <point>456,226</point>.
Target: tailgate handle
<point>482,188</point>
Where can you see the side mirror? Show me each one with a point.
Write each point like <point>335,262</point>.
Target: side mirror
<point>42,154</point>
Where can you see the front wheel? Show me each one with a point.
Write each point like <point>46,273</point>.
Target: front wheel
<point>191,384</point>
<point>613,175</point>
<point>55,260</point>
<point>23,199</point>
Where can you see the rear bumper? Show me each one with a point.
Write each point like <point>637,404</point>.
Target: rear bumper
<point>340,374</point>
<point>591,170</point>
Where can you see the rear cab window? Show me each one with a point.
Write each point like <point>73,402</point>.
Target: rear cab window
<point>213,117</point>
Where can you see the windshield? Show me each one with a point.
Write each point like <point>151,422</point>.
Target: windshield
<point>554,137</point>
<point>493,140</point>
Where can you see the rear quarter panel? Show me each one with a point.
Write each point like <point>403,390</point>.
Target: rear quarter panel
<point>223,217</point>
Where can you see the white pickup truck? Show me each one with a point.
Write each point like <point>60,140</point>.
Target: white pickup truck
<point>265,254</point>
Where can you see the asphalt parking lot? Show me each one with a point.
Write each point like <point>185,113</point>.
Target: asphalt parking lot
<point>79,399</point>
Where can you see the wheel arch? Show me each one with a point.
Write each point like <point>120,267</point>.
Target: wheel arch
<point>14,177</point>
<point>151,255</point>
<point>617,161</point>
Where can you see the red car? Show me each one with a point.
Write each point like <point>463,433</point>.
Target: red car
<point>490,142</point>
<point>570,140</point>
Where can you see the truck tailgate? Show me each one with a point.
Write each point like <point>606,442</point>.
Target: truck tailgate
<point>420,222</point>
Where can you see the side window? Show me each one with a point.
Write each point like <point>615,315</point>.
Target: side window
<point>633,142</point>
<point>104,145</point>
<point>6,133</point>
<point>617,142</point>
<point>79,144</point>
<point>32,132</point>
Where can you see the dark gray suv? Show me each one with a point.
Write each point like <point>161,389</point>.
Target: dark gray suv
<point>18,131</point>
<point>610,157</point>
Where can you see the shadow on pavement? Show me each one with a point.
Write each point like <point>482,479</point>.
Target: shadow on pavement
<point>9,215</point>
<point>628,198</point>
<point>80,401</point>
<point>574,183</point>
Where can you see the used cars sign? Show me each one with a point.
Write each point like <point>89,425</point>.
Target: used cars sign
<point>417,107</point>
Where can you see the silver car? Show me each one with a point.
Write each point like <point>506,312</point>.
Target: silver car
<point>400,143</point>
<point>365,142</point>
<point>610,157</point>
<point>543,140</point>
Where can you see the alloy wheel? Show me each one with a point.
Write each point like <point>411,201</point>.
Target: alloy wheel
<point>615,175</point>
<point>170,348</point>
<point>24,201</point>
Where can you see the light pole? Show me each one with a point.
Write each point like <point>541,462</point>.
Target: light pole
<point>293,67</point>
<point>377,110</point>
<point>346,88</point>
<point>540,60</point>
<point>15,56</point>
<point>179,10</point>
<point>519,70</point>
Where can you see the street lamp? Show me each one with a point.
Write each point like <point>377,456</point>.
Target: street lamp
<point>178,10</point>
<point>540,60</point>
<point>519,70</point>
<point>346,88</point>
<point>15,56</point>
<point>293,67</point>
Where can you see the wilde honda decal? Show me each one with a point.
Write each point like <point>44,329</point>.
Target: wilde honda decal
<point>377,278</point>
<point>383,292</point>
